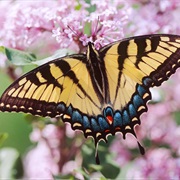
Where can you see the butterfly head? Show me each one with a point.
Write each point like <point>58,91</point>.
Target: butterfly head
<point>92,53</point>
<point>90,46</point>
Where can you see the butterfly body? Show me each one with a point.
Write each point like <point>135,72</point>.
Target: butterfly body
<point>102,92</point>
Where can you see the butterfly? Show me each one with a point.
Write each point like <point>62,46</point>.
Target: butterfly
<point>101,92</point>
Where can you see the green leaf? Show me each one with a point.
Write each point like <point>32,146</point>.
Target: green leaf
<point>2,49</point>
<point>177,117</point>
<point>95,167</point>
<point>88,154</point>
<point>110,170</point>
<point>67,176</point>
<point>87,28</point>
<point>18,131</point>
<point>3,137</point>
<point>91,8</point>
<point>58,54</point>
<point>78,6</point>
<point>18,57</point>
<point>21,58</point>
<point>9,158</point>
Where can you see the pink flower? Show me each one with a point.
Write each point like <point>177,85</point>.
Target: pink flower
<point>157,164</point>
<point>154,17</point>
<point>122,154</point>
<point>24,23</point>
<point>42,161</point>
<point>27,26</point>
<point>104,25</point>
<point>71,167</point>
<point>39,163</point>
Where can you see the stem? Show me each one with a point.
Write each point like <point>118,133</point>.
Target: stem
<point>11,73</point>
<point>66,152</point>
<point>62,147</point>
<point>63,150</point>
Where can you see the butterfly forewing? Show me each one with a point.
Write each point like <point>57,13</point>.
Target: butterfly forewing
<point>61,81</point>
<point>132,60</point>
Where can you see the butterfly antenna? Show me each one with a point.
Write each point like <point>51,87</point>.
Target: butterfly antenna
<point>98,21</point>
<point>73,31</point>
<point>96,29</point>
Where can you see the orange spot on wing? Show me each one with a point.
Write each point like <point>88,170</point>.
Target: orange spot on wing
<point>110,119</point>
<point>107,131</point>
<point>118,128</point>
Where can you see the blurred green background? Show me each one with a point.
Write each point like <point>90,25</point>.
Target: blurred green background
<point>13,123</point>
<point>15,131</point>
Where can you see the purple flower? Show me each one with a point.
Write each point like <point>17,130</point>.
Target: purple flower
<point>25,23</point>
<point>121,152</point>
<point>154,17</point>
<point>73,24</point>
<point>28,25</point>
<point>157,164</point>
<point>104,25</point>
<point>42,161</point>
<point>39,163</point>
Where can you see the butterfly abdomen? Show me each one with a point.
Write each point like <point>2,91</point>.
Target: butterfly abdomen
<point>96,68</point>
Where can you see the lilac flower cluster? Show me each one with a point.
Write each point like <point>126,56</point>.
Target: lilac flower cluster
<point>153,16</point>
<point>23,23</point>
<point>41,161</point>
<point>45,26</point>
<point>101,26</point>
<point>26,24</point>
<point>158,164</point>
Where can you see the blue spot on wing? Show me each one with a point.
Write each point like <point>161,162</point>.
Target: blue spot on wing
<point>126,119</point>
<point>69,111</point>
<point>147,82</point>
<point>117,119</point>
<point>108,112</point>
<point>141,90</point>
<point>94,125</point>
<point>103,123</point>
<point>132,111</point>
<point>76,117</point>
<point>138,101</point>
<point>61,107</point>
<point>86,122</point>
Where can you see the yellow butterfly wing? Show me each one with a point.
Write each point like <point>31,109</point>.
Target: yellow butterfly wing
<point>130,61</point>
<point>49,89</point>
<point>133,65</point>
<point>99,93</point>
